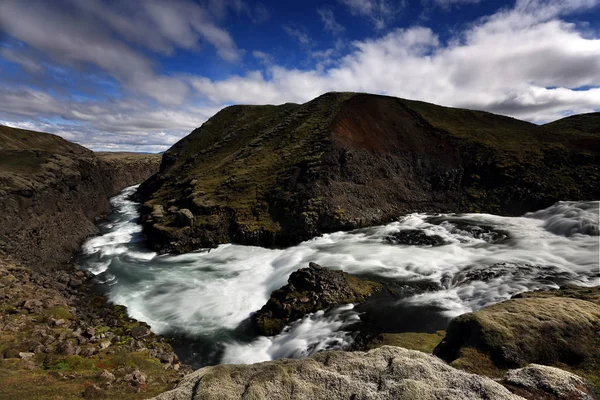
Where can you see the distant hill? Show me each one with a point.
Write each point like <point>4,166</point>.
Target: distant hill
<point>22,139</point>
<point>275,175</point>
<point>582,124</point>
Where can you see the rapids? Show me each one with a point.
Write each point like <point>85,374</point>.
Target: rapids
<point>204,299</point>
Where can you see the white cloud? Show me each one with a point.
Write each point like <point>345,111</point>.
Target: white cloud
<point>82,37</point>
<point>503,64</point>
<point>298,33</point>
<point>329,21</point>
<point>379,12</point>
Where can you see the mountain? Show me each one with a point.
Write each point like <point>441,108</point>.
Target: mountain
<point>277,175</point>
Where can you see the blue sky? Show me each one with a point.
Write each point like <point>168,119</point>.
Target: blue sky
<point>123,75</point>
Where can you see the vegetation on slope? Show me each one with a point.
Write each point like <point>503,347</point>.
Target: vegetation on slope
<point>276,175</point>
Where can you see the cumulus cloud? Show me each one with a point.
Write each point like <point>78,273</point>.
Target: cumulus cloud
<point>518,63</point>
<point>128,125</point>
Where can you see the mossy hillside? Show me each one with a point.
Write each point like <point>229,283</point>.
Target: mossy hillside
<point>556,328</point>
<point>582,124</point>
<point>277,175</point>
<point>511,161</point>
<point>67,377</point>
<point>229,168</point>
<point>22,139</point>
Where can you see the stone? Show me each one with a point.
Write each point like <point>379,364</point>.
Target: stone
<point>383,374</point>
<point>415,237</point>
<point>545,328</point>
<point>541,382</point>
<point>75,283</point>
<point>139,332</point>
<point>309,290</point>
<point>93,392</point>
<point>105,375</point>
<point>136,378</point>
<point>26,355</point>
<point>66,348</point>
<point>158,213</point>
<point>105,344</point>
<point>184,217</point>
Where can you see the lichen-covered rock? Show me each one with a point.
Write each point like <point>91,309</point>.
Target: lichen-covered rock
<point>309,290</point>
<point>384,373</point>
<point>556,328</point>
<point>539,382</point>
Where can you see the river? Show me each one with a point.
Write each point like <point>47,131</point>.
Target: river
<point>204,299</point>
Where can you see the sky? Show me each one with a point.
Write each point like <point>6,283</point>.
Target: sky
<point>117,75</point>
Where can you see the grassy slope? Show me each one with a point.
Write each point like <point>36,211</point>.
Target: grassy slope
<point>21,139</point>
<point>233,161</point>
<point>582,124</point>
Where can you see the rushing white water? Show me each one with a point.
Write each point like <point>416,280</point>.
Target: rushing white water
<point>208,294</point>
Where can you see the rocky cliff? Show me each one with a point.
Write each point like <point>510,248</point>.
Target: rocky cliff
<point>276,175</point>
<point>58,340</point>
<point>52,192</point>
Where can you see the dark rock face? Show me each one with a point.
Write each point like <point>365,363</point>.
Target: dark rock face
<point>309,290</point>
<point>415,237</point>
<point>555,328</point>
<point>52,192</point>
<point>277,175</point>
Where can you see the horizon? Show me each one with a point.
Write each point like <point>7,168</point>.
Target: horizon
<point>120,76</point>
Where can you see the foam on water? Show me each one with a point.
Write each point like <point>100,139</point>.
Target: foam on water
<point>486,259</point>
<point>313,333</point>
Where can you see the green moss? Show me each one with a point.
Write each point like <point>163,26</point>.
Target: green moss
<point>58,312</point>
<point>474,361</point>
<point>424,342</point>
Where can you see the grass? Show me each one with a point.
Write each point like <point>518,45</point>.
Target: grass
<point>67,377</point>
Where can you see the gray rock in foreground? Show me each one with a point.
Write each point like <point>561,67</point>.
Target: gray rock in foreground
<point>384,373</point>
<point>543,382</point>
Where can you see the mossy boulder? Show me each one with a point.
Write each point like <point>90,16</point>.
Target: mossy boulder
<point>309,290</point>
<point>555,328</point>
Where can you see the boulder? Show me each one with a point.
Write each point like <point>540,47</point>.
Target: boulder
<point>555,328</point>
<point>139,332</point>
<point>309,290</point>
<point>547,383</point>
<point>184,217</point>
<point>415,237</point>
<point>384,373</point>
